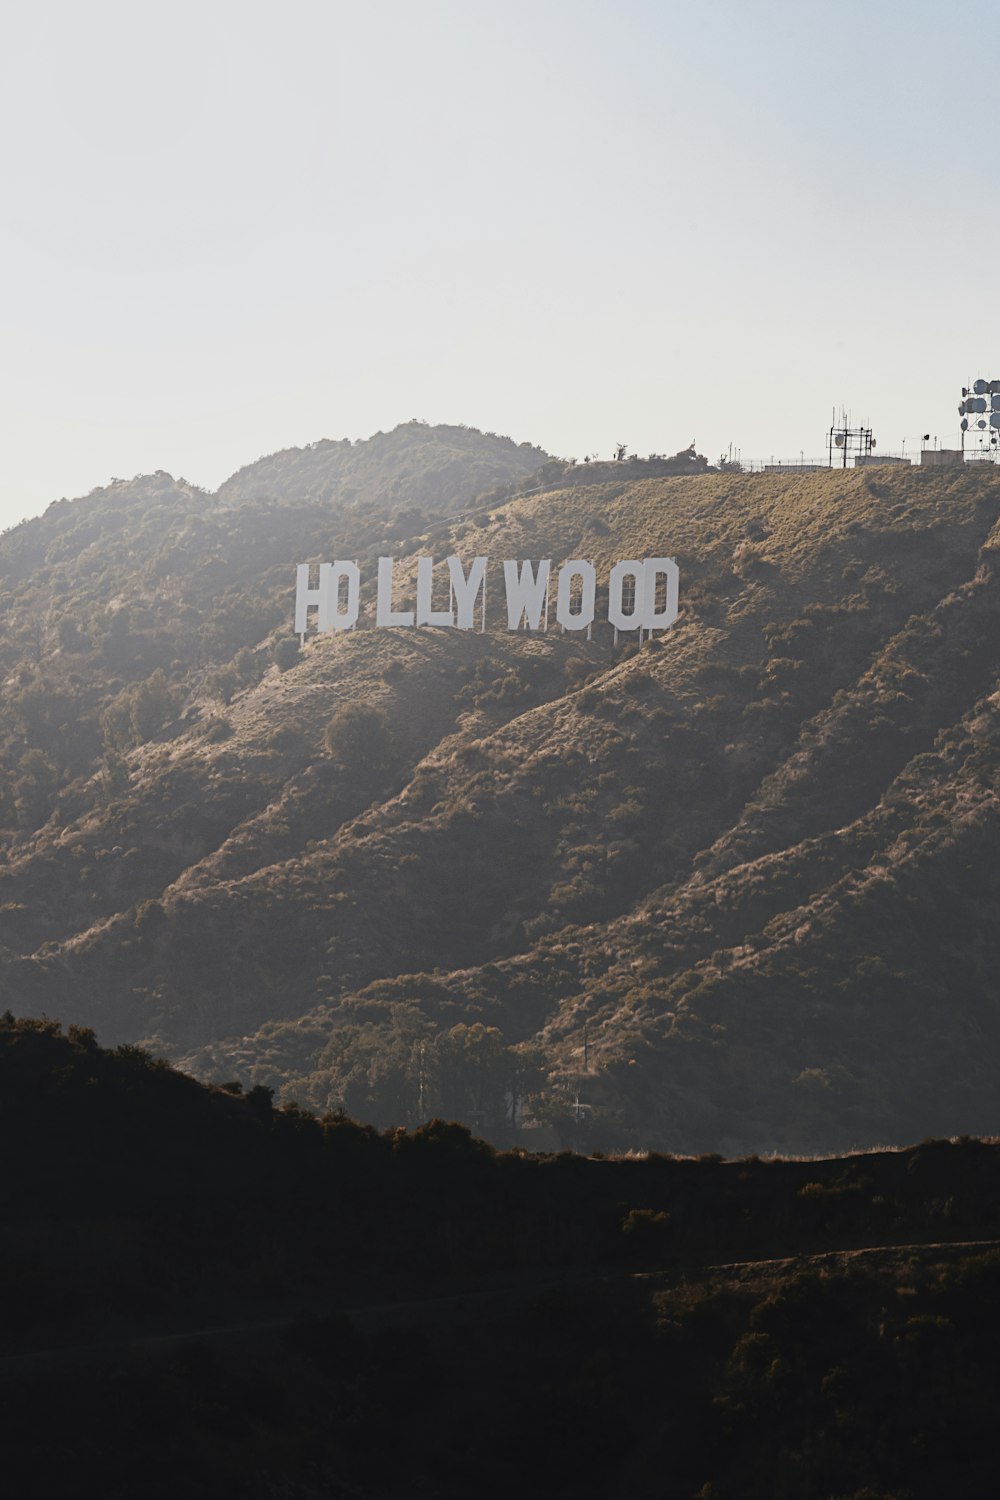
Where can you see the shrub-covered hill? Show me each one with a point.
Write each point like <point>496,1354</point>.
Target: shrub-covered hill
<point>132,1191</point>
<point>413,469</point>
<point>733,890</point>
<point>207,1295</point>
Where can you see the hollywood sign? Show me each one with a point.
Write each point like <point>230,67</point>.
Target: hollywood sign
<point>641,595</point>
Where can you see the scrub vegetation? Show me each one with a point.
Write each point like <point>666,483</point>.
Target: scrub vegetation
<point>736,890</point>
<point>207,1294</point>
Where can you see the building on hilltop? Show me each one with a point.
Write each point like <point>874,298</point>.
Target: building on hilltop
<point>941,458</point>
<point>792,468</point>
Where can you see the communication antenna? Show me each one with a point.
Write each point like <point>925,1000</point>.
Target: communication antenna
<point>844,441</point>
<point>979,410</point>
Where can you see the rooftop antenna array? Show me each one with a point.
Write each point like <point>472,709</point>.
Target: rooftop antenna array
<point>844,441</point>
<point>979,410</point>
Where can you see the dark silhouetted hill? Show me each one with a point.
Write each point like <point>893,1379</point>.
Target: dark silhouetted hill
<point>205,1294</point>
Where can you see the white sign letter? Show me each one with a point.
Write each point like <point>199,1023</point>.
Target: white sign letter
<point>617,614</point>
<point>588,582</point>
<point>525,593</point>
<point>466,589</point>
<point>384,613</point>
<point>305,596</point>
<point>347,618</point>
<point>654,568</point>
<point>425,586</point>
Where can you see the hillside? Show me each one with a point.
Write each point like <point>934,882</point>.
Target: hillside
<point>269,1304</point>
<point>414,468</point>
<point>733,891</point>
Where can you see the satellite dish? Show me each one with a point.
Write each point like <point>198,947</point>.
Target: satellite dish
<point>961,408</point>
<point>980,423</point>
<point>965,424</point>
<point>965,392</point>
<point>980,387</point>
<point>995,419</point>
<point>994,387</point>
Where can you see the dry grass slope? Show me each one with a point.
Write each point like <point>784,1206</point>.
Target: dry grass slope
<point>749,867</point>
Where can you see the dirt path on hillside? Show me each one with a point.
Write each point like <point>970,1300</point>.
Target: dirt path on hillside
<point>476,1304</point>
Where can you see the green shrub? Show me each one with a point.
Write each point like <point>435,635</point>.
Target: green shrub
<point>286,652</point>
<point>360,740</point>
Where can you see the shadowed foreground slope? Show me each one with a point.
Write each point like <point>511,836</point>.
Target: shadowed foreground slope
<point>563,1326</point>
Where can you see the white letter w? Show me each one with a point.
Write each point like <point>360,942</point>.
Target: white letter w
<point>526,593</point>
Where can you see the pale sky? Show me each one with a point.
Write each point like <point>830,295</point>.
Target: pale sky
<point>232,228</point>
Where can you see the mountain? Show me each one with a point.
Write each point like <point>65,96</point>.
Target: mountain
<point>734,890</point>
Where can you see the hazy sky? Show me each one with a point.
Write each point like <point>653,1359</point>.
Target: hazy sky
<point>228,229</point>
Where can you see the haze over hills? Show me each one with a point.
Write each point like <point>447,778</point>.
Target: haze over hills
<point>733,891</point>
